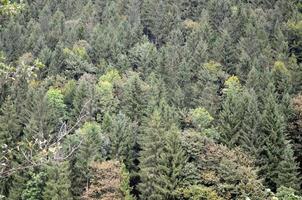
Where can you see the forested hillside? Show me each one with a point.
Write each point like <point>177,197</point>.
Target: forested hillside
<point>151,99</point>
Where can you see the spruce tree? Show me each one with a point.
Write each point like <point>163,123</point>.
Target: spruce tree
<point>274,145</point>
<point>249,139</point>
<point>89,138</point>
<point>85,99</point>
<point>295,130</point>
<point>123,137</point>
<point>58,185</point>
<point>152,146</point>
<point>34,187</point>
<point>288,175</point>
<point>133,100</point>
<point>172,165</point>
<point>233,111</point>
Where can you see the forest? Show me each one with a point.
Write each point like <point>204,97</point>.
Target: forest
<point>151,100</point>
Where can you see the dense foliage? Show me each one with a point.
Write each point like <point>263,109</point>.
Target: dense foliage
<point>150,99</point>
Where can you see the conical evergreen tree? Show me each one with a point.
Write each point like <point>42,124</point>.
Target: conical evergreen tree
<point>58,184</point>
<point>273,143</point>
<point>288,170</point>
<point>233,111</point>
<point>172,164</point>
<point>152,145</point>
<point>133,100</point>
<point>249,137</point>
<point>85,99</point>
<point>89,138</point>
<point>123,137</point>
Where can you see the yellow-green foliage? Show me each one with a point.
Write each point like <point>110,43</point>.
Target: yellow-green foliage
<point>234,10</point>
<point>201,117</point>
<point>112,76</point>
<point>8,8</point>
<point>296,27</point>
<point>232,86</point>
<point>4,68</point>
<point>284,193</point>
<point>106,89</point>
<point>125,181</point>
<point>197,192</point>
<point>76,51</point>
<point>55,98</point>
<point>279,67</point>
<point>90,129</point>
<point>213,67</point>
<point>232,82</point>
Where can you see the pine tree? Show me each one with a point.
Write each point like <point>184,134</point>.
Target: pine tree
<point>143,57</point>
<point>284,193</point>
<point>228,55</point>
<point>43,115</point>
<point>133,99</point>
<point>125,183</point>
<point>295,129</point>
<point>282,79</point>
<point>296,74</point>
<point>159,18</point>
<point>152,143</point>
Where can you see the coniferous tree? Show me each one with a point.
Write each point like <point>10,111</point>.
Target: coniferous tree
<point>294,130</point>
<point>90,140</point>
<point>101,80</point>
<point>273,143</point>
<point>133,99</point>
<point>172,164</point>
<point>288,170</point>
<point>34,187</point>
<point>250,131</point>
<point>123,137</point>
<point>233,111</point>
<point>85,99</point>
<point>58,185</point>
<point>152,145</point>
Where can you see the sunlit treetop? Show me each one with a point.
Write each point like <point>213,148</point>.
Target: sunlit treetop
<point>7,8</point>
